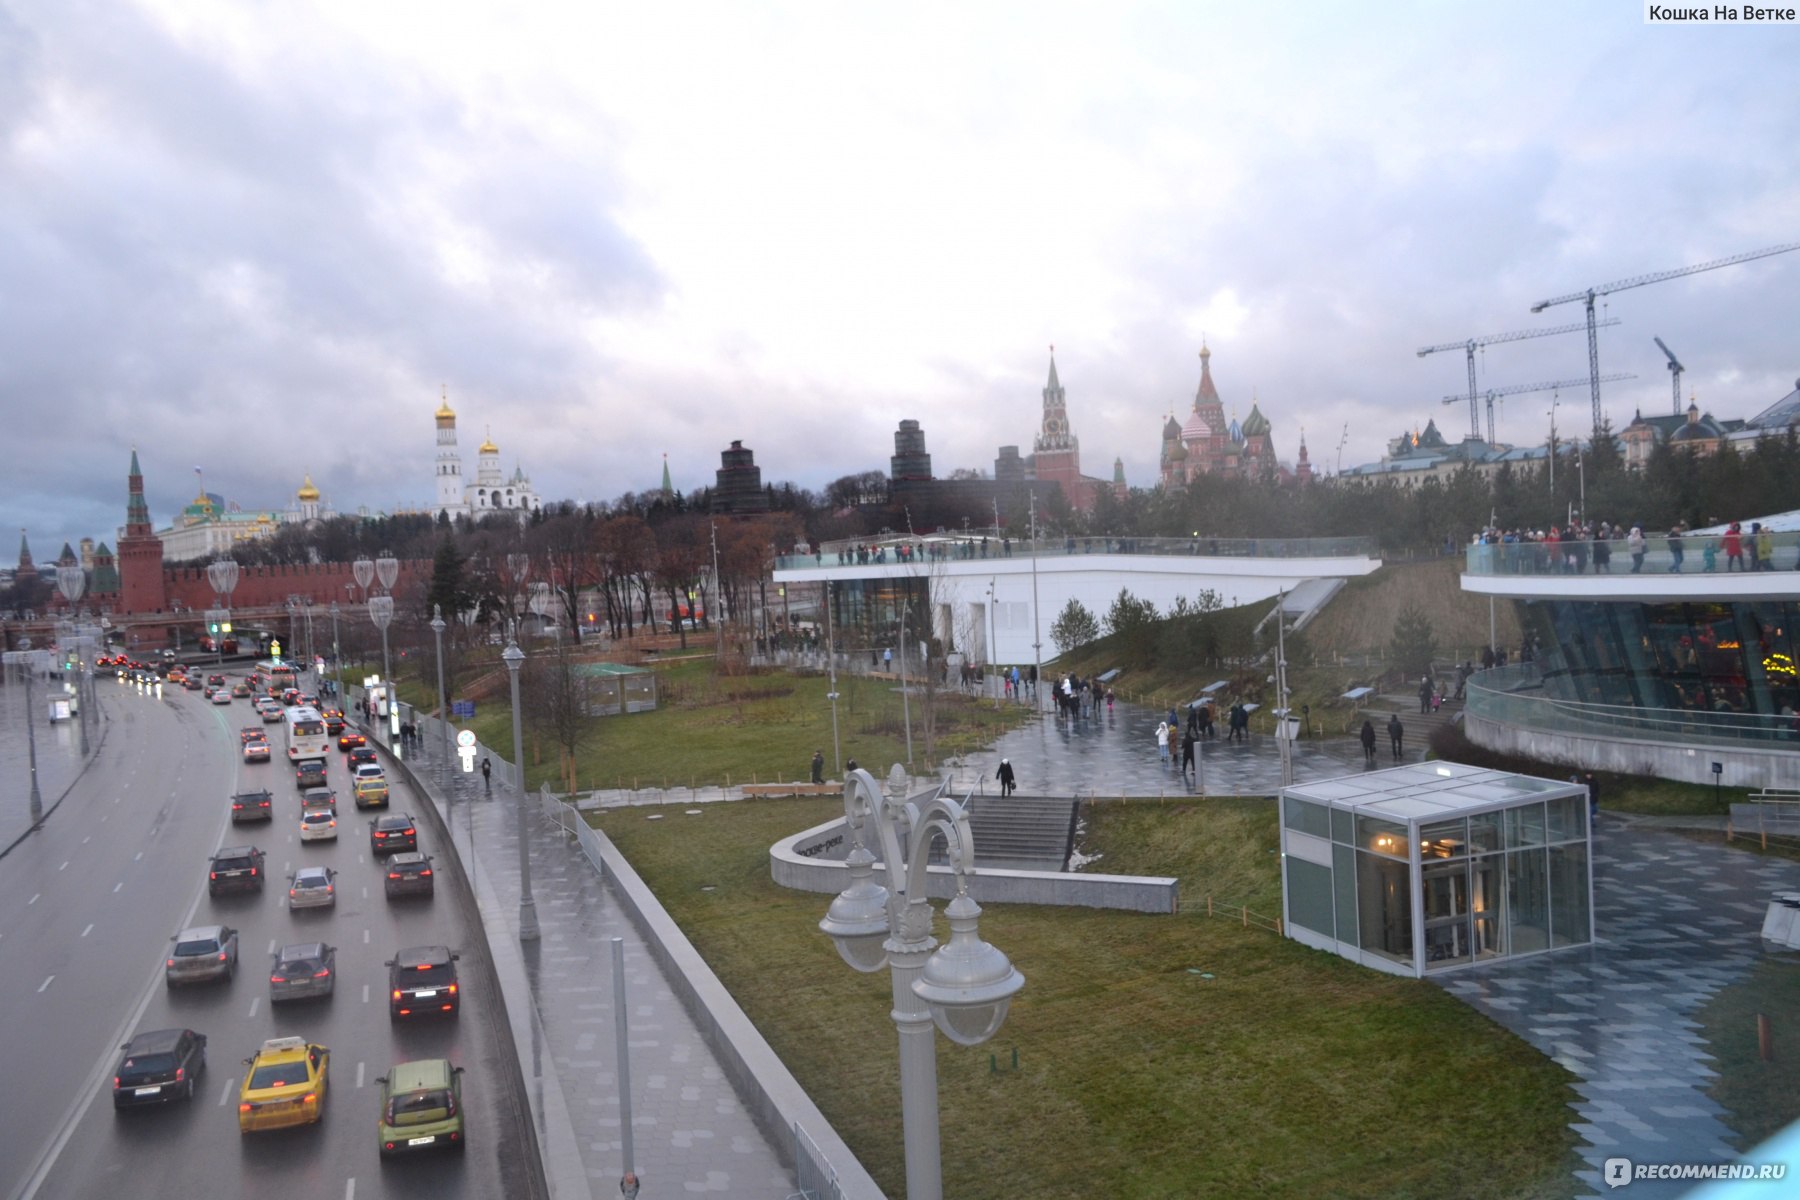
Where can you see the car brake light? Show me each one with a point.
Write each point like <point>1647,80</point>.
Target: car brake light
<point>115,1081</point>
<point>423,967</point>
<point>278,979</point>
<point>221,956</point>
<point>180,1074</point>
<point>310,1098</point>
<point>393,874</point>
<point>253,872</point>
<point>321,973</point>
<point>244,1107</point>
<point>396,993</point>
<point>171,962</point>
<point>212,874</point>
<point>452,989</point>
<point>425,874</point>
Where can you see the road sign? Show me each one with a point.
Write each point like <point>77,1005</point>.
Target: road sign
<point>465,737</point>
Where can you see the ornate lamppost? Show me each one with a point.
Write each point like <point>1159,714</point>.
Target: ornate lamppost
<point>222,574</point>
<point>518,568</point>
<point>26,659</point>
<point>71,581</point>
<point>963,987</point>
<point>514,658</point>
<point>437,631</point>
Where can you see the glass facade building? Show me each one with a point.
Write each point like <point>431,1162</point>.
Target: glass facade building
<point>1436,866</point>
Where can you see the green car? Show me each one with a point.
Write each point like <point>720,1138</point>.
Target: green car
<point>421,1107</point>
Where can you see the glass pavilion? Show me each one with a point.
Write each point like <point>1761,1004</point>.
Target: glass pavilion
<point>1437,865</point>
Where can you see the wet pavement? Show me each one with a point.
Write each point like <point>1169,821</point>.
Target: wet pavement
<point>58,755</point>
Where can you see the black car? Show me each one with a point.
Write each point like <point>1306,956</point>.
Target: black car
<point>252,806</point>
<point>235,869</point>
<point>159,1066</point>
<point>392,833</point>
<point>409,874</point>
<point>361,755</point>
<point>422,982</point>
<point>309,773</point>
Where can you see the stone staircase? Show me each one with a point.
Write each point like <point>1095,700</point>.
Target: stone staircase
<point>1020,833</point>
<point>1419,726</point>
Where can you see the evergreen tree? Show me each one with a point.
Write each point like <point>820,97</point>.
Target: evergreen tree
<point>449,581</point>
<point>1075,628</point>
<point>1414,643</point>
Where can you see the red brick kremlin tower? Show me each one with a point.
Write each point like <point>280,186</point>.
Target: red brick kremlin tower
<point>141,586</point>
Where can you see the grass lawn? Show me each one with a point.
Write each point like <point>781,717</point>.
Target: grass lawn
<point>711,730</point>
<point>1288,1072</point>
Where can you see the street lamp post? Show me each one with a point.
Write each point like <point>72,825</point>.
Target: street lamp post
<point>514,657</point>
<point>837,756</point>
<point>71,581</point>
<point>337,669</point>
<point>223,576</point>
<point>26,659</point>
<point>1037,636</point>
<point>437,631</point>
<point>993,634</point>
<point>963,987</point>
<point>381,611</point>
<point>905,700</point>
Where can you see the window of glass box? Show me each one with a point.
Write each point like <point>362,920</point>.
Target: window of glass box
<point>1444,839</point>
<point>1525,825</point>
<point>1568,818</point>
<point>1384,907</point>
<point>1527,901</point>
<point>1383,837</point>
<point>1445,886</point>
<point>1306,817</point>
<point>1309,895</point>
<point>1487,887</point>
<point>1568,895</point>
<point>1484,833</point>
<point>1343,826</point>
<point>1343,888</point>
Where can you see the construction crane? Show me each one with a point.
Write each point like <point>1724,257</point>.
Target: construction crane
<point>1523,389</point>
<point>1639,281</point>
<point>1475,343</point>
<point>1675,370</point>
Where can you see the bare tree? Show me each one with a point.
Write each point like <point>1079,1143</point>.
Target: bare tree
<point>555,693</point>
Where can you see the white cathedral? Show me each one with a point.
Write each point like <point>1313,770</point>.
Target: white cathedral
<point>492,491</point>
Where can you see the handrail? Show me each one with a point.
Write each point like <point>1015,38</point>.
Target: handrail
<point>1583,557</point>
<point>987,544</point>
<point>1514,696</point>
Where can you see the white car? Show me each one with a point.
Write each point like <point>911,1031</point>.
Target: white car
<point>318,825</point>
<point>221,695</point>
<point>313,887</point>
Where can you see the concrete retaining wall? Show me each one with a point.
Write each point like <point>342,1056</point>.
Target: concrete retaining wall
<point>1746,765</point>
<point>813,861</point>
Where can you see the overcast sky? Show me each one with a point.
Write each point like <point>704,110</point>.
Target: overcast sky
<point>259,238</point>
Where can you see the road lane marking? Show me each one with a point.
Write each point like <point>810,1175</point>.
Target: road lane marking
<point>137,856</point>
<point>65,866</point>
<point>350,1188</point>
<point>118,885</point>
<point>225,1096</point>
<point>33,900</point>
<point>45,984</point>
<point>253,1004</point>
<point>365,893</point>
<point>365,937</point>
<point>271,945</point>
<point>88,930</point>
<point>87,839</point>
<point>359,1074</point>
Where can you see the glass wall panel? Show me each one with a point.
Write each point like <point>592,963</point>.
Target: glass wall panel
<point>1384,907</point>
<point>1446,896</point>
<point>1306,816</point>
<point>1309,895</point>
<point>1525,826</point>
<point>1568,819</point>
<point>1343,886</point>
<point>1382,837</point>
<point>1568,895</point>
<point>1343,826</point>
<point>1527,901</point>
<point>1487,891</point>
<point>1484,833</point>
<point>1444,839</point>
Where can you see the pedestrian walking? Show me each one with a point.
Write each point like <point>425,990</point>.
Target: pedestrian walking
<point>1368,740</point>
<point>1187,752</point>
<point>1005,775</point>
<point>1162,740</point>
<point>1396,734</point>
<point>818,766</point>
<point>1425,694</point>
<point>487,773</point>
<point>1675,551</point>
<point>1634,542</point>
<point>1593,787</point>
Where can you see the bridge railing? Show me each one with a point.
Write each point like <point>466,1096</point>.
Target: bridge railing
<point>945,547</point>
<point>1514,696</point>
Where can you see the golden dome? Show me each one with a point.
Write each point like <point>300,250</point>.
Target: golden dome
<point>489,448</point>
<point>308,493</point>
<point>444,412</point>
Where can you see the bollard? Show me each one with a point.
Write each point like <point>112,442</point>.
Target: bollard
<point>1246,912</point>
<point>1765,1038</point>
<point>1209,911</point>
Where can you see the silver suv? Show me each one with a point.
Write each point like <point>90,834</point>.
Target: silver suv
<point>201,953</point>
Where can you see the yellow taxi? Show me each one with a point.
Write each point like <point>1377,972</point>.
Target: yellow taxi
<point>284,1086</point>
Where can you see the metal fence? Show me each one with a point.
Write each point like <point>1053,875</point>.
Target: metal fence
<point>1692,553</point>
<point>1514,696</point>
<point>993,545</point>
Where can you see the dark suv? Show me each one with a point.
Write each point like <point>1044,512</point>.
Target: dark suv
<point>309,773</point>
<point>159,1066</point>
<point>236,869</point>
<point>422,982</point>
<point>409,874</point>
<point>392,833</point>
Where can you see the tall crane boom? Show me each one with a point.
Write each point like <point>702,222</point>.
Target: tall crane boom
<point>1620,285</point>
<point>1521,389</point>
<point>1675,370</point>
<point>1492,339</point>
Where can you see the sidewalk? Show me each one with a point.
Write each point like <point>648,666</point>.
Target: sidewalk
<point>691,1134</point>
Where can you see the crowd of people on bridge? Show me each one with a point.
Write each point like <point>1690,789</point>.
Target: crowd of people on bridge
<point>1584,547</point>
